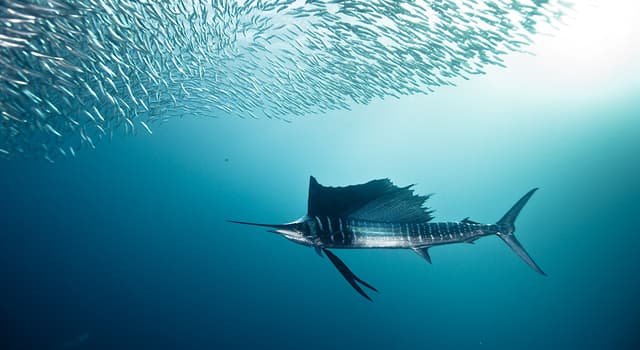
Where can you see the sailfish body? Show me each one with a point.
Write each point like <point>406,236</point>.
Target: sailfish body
<point>379,214</point>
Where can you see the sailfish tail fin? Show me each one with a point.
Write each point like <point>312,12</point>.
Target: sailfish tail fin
<point>507,229</point>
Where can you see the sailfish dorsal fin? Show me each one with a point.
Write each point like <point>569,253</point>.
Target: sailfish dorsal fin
<point>377,200</point>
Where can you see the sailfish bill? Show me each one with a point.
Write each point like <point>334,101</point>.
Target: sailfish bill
<point>274,226</point>
<point>379,214</point>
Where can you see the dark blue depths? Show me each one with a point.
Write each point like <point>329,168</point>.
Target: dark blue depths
<point>126,247</point>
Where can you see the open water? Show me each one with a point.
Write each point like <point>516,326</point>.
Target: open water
<point>126,246</point>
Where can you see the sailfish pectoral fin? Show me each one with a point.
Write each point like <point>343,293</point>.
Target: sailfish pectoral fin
<point>348,275</point>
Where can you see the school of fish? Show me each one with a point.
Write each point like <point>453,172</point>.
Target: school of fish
<point>74,72</point>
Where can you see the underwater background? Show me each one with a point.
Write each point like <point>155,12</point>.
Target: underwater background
<point>127,247</point>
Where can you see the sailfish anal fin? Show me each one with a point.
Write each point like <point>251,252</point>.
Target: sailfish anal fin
<point>348,275</point>
<point>424,253</point>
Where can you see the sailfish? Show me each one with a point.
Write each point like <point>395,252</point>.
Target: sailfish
<point>379,214</point>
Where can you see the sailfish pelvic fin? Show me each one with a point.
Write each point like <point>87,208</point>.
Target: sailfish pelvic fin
<point>348,275</point>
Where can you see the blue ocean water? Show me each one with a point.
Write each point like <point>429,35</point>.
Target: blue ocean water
<point>127,246</point>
